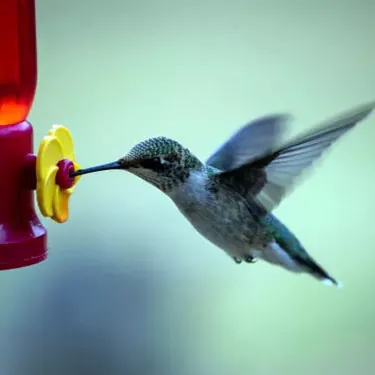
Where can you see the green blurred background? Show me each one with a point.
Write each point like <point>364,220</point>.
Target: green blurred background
<point>129,287</point>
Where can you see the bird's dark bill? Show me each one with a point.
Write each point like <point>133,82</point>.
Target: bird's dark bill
<point>98,168</point>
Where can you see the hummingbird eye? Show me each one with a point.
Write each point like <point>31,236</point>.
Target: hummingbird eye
<point>158,162</point>
<point>151,163</point>
<point>168,159</point>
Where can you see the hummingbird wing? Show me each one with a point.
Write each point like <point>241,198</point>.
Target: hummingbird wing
<point>269,178</point>
<point>256,138</point>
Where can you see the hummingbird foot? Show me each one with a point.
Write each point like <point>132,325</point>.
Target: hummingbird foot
<point>237,260</point>
<point>250,259</point>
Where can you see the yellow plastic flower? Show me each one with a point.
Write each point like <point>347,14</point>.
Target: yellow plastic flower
<point>53,200</point>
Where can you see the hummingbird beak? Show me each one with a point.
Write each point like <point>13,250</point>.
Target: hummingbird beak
<point>98,168</point>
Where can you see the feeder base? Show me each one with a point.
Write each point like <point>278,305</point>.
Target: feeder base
<point>28,251</point>
<point>23,239</point>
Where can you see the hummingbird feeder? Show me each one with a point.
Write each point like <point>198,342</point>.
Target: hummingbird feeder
<point>23,239</point>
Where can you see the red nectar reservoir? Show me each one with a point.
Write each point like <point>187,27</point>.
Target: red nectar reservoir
<point>22,237</point>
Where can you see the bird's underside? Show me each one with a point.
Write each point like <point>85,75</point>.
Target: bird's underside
<point>249,175</point>
<point>230,198</point>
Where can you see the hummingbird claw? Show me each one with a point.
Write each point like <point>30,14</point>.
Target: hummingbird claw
<point>237,260</point>
<point>250,259</point>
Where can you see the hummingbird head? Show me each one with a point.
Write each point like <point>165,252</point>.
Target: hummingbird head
<point>160,161</point>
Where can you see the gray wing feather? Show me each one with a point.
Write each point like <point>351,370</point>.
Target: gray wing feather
<point>254,139</point>
<point>278,171</point>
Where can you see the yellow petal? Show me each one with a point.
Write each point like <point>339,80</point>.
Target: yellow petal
<point>45,192</point>
<point>50,152</point>
<point>60,205</point>
<point>65,139</point>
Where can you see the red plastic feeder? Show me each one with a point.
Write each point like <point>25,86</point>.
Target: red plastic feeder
<point>22,236</point>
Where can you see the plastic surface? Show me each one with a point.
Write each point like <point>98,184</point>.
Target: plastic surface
<point>23,239</point>
<point>54,186</point>
<point>18,63</point>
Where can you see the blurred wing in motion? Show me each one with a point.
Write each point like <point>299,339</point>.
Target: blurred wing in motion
<point>253,140</point>
<point>269,178</point>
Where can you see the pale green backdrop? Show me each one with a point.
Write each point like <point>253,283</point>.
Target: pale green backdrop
<point>129,287</point>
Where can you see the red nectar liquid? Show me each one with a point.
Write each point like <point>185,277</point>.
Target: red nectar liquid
<point>18,64</point>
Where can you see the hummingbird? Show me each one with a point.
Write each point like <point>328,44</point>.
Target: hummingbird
<point>229,199</point>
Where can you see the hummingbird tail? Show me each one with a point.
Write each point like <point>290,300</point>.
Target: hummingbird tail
<point>317,271</point>
<point>288,252</point>
<point>296,259</point>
